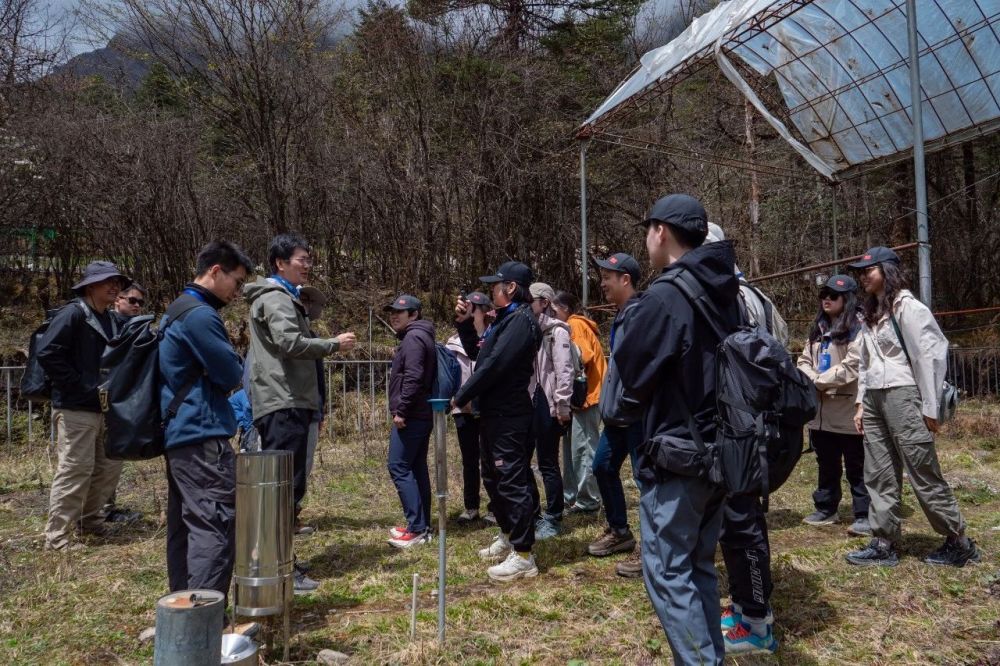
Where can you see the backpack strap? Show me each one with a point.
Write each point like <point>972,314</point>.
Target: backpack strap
<point>764,302</point>
<point>692,290</point>
<point>899,334</point>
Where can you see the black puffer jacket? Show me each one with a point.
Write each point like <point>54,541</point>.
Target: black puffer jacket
<point>70,353</point>
<point>505,363</point>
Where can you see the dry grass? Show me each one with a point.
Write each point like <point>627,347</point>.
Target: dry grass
<point>88,608</point>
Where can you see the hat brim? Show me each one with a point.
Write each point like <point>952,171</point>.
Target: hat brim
<point>607,265</point>
<point>490,279</point>
<point>396,308</point>
<point>94,279</point>
<point>857,265</point>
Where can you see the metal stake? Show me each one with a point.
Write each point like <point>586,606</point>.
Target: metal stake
<point>441,464</point>
<point>413,607</point>
<point>583,220</point>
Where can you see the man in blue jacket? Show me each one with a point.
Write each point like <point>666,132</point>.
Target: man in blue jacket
<point>199,368</point>
<point>666,362</point>
<point>414,367</point>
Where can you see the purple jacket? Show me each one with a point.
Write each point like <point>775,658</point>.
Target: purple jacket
<point>414,367</point>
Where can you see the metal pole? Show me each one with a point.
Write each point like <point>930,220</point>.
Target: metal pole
<point>919,175</point>
<point>413,607</point>
<point>10,409</point>
<point>441,464</point>
<point>833,214</point>
<point>583,220</point>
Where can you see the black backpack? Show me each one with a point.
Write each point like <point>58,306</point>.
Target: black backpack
<point>763,402</point>
<point>130,393</point>
<point>35,384</point>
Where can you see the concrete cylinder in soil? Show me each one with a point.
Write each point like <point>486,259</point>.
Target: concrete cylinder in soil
<point>189,628</point>
<point>264,521</point>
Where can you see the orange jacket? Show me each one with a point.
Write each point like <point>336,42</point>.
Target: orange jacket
<point>584,333</point>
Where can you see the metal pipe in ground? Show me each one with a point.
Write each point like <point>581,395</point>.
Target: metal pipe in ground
<point>413,607</point>
<point>439,405</point>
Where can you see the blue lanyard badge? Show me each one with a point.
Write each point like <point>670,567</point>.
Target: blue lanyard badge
<point>289,287</point>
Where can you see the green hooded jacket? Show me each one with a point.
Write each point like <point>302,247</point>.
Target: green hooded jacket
<point>283,353</point>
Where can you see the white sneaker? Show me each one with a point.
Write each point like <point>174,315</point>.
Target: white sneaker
<point>468,516</point>
<point>497,550</point>
<point>514,567</point>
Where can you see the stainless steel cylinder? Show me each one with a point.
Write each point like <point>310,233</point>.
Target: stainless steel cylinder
<point>262,575</point>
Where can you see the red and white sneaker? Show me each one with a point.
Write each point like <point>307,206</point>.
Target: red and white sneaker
<point>408,539</point>
<point>397,531</point>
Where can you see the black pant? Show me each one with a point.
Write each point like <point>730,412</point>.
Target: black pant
<point>288,430</point>
<point>506,444</point>
<point>467,426</point>
<point>201,516</point>
<point>546,439</point>
<point>747,553</point>
<point>831,448</point>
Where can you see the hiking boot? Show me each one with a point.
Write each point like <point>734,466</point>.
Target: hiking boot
<point>582,510</point>
<point>611,542</point>
<point>876,554</point>
<point>117,515</point>
<point>95,529</point>
<point>490,518</point>
<point>731,618</point>
<point>468,516</point>
<point>955,553</point>
<point>741,641</point>
<point>497,550</point>
<point>68,547</point>
<point>860,527</point>
<point>409,539</point>
<point>303,583</point>
<point>818,518</point>
<point>514,567</point>
<point>546,528</point>
<point>631,567</point>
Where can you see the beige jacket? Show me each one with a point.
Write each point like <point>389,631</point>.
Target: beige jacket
<point>554,365</point>
<point>837,387</point>
<point>884,365</point>
<point>467,365</point>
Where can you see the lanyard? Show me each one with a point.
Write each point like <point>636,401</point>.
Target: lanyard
<point>192,292</point>
<point>506,311</point>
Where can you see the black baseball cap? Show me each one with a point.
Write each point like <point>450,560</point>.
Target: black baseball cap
<point>479,298</point>
<point>621,263</point>
<point>876,255</point>
<point>403,302</point>
<point>511,271</point>
<point>680,210</point>
<point>843,284</point>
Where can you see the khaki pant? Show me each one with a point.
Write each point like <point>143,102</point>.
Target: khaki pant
<point>896,438</point>
<point>84,479</point>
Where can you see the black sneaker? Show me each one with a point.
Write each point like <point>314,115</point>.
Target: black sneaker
<point>875,554</point>
<point>819,518</point>
<point>117,515</point>
<point>954,554</point>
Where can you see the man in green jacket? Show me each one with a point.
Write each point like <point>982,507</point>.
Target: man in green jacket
<point>284,385</point>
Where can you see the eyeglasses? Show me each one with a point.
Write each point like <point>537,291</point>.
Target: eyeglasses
<point>239,282</point>
<point>305,262</point>
<point>132,300</point>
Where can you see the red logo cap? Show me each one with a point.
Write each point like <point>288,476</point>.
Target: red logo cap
<point>613,260</point>
<point>840,283</point>
<point>868,256</point>
<point>402,301</point>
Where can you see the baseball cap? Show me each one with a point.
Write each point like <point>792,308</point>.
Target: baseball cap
<point>511,271</point>
<point>403,302</point>
<point>622,263</point>
<point>479,298</point>
<point>542,290</point>
<point>876,255</point>
<point>843,284</point>
<point>680,210</point>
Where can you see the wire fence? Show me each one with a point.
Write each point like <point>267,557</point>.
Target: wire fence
<point>357,405</point>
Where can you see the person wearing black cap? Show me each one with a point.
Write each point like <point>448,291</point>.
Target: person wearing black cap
<point>414,366</point>
<point>622,431</point>
<point>467,418</point>
<point>830,357</point>
<point>505,363</point>
<point>666,361</point>
<point>904,358</point>
<point>70,353</point>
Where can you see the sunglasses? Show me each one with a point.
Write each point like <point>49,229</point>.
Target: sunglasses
<point>830,296</point>
<point>132,300</point>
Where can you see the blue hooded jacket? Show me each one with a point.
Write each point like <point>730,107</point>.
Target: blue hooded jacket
<point>198,346</point>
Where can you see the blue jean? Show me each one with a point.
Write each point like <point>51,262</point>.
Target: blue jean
<point>616,442</point>
<point>408,469</point>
